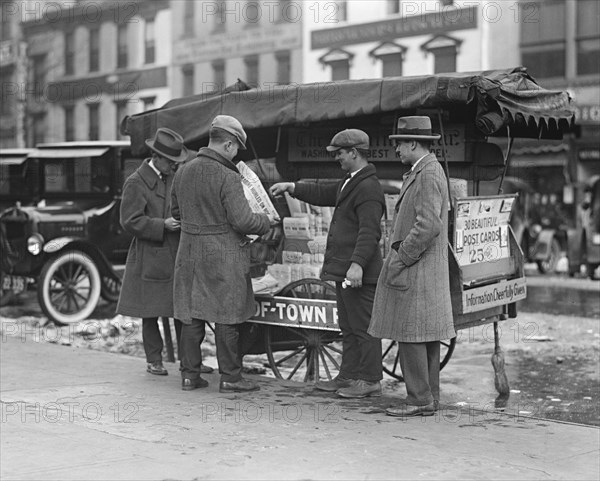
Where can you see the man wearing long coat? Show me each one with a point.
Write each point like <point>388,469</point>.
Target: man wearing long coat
<point>412,302</point>
<point>212,270</point>
<point>147,289</point>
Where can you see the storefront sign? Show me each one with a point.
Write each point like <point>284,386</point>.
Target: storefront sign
<point>442,21</point>
<point>248,42</point>
<point>308,145</point>
<point>481,233</point>
<point>499,294</point>
<point>288,311</point>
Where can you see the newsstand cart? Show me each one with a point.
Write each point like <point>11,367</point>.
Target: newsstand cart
<point>289,126</point>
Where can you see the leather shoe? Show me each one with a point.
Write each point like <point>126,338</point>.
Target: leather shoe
<point>156,368</point>
<point>244,385</point>
<point>409,410</point>
<point>204,369</point>
<point>360,389</point>
<point>191,384</point>
<point>336,383</point>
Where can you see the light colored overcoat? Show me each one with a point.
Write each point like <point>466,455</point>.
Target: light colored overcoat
<point>212,270</point>
<point>412,301</point>
<point>147,289</point>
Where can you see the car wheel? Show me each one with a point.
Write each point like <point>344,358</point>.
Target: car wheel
<point>69,287</point>
<point>111,288</point>
<point>548,265</point>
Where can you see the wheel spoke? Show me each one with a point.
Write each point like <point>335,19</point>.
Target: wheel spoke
<point>389,348</point>
<point>308,364</point>
<point>289,356</point>
<point>325,366</point>
<point>297,366</point>
<point>76,275</point>
<point>331,358</point>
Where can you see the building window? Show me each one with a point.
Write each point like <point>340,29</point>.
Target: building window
<point>148,103</point>
<point>391,56</point>
<point>69,123</point>
<point>121,112</point>
<point>149,41</point>
<point>543,38</point>
<point>393,7</point>
<point>251,13</point>
<point>6,32</point>
<point>218,67</point>
<point>187,71</point>
<point>339,61</point>
<point>39,129</point>
<point>39,75</point>
<point>444,49</point>
<point>94,121</point>
<point>70,52</point>
<point>588,37</point>
<point>220,16</point>
<point>188,19</point>
<point>286,11</point>
<point>122,44</point>
<point>283,67</point>
<point>341,10</point>
<point>252,70</point>
<point>94,49</point>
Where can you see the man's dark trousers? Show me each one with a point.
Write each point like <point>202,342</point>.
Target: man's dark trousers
<point>420,363</point>
<point>233,341</point>
<point>361,356</point>
<point>153,342</point>
<point>190,342</point>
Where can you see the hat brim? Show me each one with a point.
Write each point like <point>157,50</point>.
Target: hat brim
<point>415,137</point>
<point>332,148</point>
<point>184,155</point>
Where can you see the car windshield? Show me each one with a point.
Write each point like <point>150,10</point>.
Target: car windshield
<point>78,175</point>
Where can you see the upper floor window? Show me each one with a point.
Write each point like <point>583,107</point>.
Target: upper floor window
<point>444,49</point>
<point>251,13</point>
<point>93,121</point>
<point>188,18</point>
<point>218,67</point>
<point>148,103</point>
<point>391,55</point>
<point>339,61</point>
<point>94,49</point>
<point>341,10</point>
<point>149,41</point>
<point>187,72</point>
<point>39,74</point>
<point>69,123</point>
<point>393,6</point>
<point>283,67</point>
<point>219,25</point>
<point>122,46</point>
<point>543,38</point>
<point>252,70</point>
<point>69,52</point>
<point>588,37</point>
<point>121,112</point>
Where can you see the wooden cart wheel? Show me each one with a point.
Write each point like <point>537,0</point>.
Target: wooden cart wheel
<point>391,361</point>
<point>299,354</point>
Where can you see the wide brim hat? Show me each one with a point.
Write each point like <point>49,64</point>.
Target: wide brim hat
<point>349,138</point>
<point>416,127</point>
<point>169,144</point>
<point>233,126</point>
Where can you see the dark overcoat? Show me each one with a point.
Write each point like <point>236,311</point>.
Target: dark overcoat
<point>147,289</point>
<point>412,301</point>
<point>212,270</point>
<point>355,227</point>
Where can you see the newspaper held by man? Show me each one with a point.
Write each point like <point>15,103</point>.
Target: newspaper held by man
<point>256,194</point>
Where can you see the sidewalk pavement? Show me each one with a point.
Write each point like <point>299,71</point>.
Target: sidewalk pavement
<point>77,414</point>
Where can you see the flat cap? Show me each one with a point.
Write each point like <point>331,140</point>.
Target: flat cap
<point>349,138</point>
<point>233,126</point>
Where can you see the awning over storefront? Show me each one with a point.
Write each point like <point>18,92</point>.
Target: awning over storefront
<point>502,98</point>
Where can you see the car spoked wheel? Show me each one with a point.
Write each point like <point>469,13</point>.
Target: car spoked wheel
<point>69,287</point>
<point>111,288</point>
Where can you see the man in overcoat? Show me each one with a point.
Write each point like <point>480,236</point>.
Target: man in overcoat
<point>412,303</point>
<point>147,289</point>
<point>212,271</point>
<point>352,259</point>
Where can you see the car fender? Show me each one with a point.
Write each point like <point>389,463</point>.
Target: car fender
<point>58,244</point>
<point>543,243</point>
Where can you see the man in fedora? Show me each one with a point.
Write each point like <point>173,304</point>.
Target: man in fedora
<point>147,289</point>
<point>412,302</point>
<point>212,271</point>
<point>352,258</point>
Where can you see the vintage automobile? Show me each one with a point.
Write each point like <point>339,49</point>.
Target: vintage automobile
<point>68,242</point>
<point>17,182</point>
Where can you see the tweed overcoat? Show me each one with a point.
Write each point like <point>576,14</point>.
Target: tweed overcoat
<point>412,301</point>
<point>147,289</point>
<point>212,270</point>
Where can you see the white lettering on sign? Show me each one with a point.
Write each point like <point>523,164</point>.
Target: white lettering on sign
<point>305,313</point>
<point>503,292</point>
<point>481,233</point>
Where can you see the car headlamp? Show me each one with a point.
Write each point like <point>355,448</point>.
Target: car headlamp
<point>34,244</point>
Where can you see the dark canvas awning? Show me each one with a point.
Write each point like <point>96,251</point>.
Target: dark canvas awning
<point>503,98</point>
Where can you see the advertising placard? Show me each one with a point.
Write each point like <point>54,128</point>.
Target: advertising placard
<point>294,312</point>
<point>482,228</point>
<point>498,294</point>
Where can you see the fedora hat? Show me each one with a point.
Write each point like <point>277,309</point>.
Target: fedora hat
<point>349,138</point>
<point>417,127</point>
<point>168,144</point>
<point>233,126</point>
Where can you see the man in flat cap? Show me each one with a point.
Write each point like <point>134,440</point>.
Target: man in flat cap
<point>212,270</point>
<point>352,258</point>
<point>412,302</point>
<point>147,289</point>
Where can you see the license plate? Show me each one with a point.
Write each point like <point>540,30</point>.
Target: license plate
<point>15,284</point>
